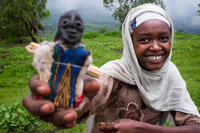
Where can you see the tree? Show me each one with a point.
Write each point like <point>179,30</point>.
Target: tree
<point>21,18</point>
<point>122,7</point>
<point>198,12</point>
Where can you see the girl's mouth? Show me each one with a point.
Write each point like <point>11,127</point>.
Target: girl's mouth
<point>154,57</point>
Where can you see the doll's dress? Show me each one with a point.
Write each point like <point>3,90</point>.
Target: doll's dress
<point>65,71</point>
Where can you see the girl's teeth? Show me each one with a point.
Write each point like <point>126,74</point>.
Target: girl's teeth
<point>154,57</point>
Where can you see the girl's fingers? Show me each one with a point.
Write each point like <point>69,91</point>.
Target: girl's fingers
<point>62,118</point>
<point>91,88</point>
<point>107,127</point>
<point>38,87</point>
<point>37,107</point>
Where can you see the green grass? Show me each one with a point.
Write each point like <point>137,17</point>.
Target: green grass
<point>186,55</point>
<point>15,70</point>
<point>16,67</point>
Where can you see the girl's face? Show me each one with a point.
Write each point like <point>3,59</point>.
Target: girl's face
<point>151,41</point>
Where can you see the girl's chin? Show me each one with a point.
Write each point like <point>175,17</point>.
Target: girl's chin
<point>153,67</point>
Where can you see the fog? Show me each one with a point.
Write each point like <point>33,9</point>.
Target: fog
<point>64,5</point>
<point>182,12</point>
<point>92,11</point>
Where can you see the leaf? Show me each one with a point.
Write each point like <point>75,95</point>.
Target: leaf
<point>125,5</point>
<point>2,122</point>
<point>7,115</point>
<point>3,108</point>
<point>15,15</point>
<point>21,119</point>
<point>20,111</point>
<point>14,115</point>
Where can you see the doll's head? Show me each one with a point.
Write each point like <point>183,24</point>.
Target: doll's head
<point>70,28</point>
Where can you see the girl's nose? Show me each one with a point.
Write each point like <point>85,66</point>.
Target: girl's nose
<point>155,46</point>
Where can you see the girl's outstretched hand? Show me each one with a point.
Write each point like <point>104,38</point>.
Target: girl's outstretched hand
<point>121,126</point>
<point>45,108</point>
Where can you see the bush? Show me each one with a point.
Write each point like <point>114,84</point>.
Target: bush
<point>113,33</point>
<point>90,35</point>
<point>102,30</point>
<point>15,118</point>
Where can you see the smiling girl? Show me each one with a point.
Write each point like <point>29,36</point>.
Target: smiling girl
<point>137,93</point>
<point>144,87</point>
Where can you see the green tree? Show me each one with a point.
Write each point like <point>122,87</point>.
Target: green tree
<point>21,18</point>
<point>122,7</point>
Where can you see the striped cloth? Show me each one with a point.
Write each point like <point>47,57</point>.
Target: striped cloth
<point>64,77</point>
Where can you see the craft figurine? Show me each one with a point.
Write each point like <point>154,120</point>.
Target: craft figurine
<point>63,62</point>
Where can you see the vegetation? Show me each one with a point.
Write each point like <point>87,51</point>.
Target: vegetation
<point>21,18</point>
<point>15,118</point>
<point>122,7</point>
<point>16,69</point>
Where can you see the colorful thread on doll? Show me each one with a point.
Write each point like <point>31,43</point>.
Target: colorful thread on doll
<point>64,77</point>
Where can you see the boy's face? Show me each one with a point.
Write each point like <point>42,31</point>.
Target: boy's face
<point>152,44</point>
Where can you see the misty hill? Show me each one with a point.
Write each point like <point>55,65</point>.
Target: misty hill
<point>95,17</point>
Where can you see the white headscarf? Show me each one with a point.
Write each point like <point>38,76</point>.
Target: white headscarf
<point>162,90</point>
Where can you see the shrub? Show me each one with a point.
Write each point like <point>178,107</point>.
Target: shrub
<point>102,30</point>
<point>15,118</point>
<point>90,35</point>
<point>113,33</point>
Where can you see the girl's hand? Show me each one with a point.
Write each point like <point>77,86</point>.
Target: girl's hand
<point>45,108</point>
<point>121,126</point>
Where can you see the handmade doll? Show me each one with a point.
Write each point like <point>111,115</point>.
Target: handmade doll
<point>64,62</point>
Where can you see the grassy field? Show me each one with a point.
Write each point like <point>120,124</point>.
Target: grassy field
<point>16,69</point>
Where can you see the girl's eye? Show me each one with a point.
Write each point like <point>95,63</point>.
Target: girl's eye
<point>144,40</point>
<point>164,39</point>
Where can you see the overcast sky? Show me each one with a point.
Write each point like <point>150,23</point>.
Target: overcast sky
<point>64,5</point>
<point>181,11</point>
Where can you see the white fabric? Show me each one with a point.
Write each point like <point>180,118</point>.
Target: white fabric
<point>89,124</point>
<point>148,16</point>
<point>162,90</point>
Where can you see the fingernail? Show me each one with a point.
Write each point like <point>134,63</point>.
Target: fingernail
<point>46,108</point>
<point>101,123</point>
<point>42,89</point>
<point>69,117</point>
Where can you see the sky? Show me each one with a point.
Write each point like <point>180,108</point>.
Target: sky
<point>91,6</point>
<point>182,12</point>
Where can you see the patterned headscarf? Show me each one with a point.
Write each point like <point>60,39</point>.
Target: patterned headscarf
<point>144,17</point>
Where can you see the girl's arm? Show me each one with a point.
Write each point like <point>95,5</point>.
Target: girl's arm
<point>131,126</point>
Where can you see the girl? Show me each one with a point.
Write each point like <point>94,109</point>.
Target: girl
<point>136,93</point>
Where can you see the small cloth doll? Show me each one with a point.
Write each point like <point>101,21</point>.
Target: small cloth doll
<point>63,63</point>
